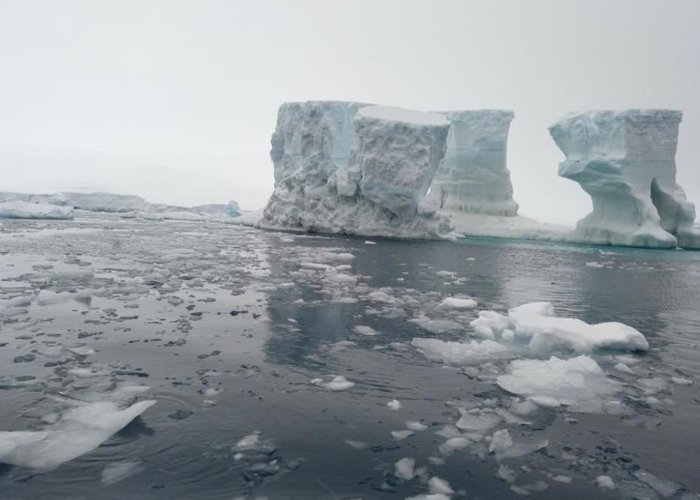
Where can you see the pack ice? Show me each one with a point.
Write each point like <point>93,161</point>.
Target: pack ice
<point>353,168</point>
<point>625,160</point>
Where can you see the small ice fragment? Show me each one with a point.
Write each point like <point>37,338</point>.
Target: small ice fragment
<point>366,330</point>
<point>500,441</point>
<point>401,435</point>
<point>113,473</point>
<point>248,442</point>
<point>506,473</point>
<point>403,469</point>
<point>477,420</point>
<point>339,383</point>
<point>519,490</point>
<point>560,478</point>
<point>545,401</point>
<point>605,482</point>
<point>458,303</point>
<point>394,404</point>
<point>358,445</point>
<point>681,381</point>
<point>416,426</point>
<point>621,367</point>
<point>440,486</point>
<point>452,444</point>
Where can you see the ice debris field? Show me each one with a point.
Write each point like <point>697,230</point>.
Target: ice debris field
<point>192,359</point>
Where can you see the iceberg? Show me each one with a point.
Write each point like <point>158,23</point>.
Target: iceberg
<point>472,177</point>
<point>79,431</point>
<point>27,210</point>
<point>625,160</point>
<point>354,168</point>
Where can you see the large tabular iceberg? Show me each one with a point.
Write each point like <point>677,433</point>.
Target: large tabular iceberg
<point>353,168</point>
<point>625,160</point>
<point>473,177</point>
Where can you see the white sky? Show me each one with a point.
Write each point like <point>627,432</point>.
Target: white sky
<point>176,100</point>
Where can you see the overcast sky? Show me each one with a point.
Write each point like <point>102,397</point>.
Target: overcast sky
<point>176,100</point>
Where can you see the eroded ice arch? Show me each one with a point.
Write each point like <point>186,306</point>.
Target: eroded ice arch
<point>625,160</point>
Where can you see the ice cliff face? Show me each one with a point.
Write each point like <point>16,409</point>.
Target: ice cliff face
<point>626,162</point>
<point>472,177</point>
<point>353,168</point>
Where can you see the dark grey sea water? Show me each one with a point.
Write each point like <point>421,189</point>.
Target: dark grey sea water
<point>228,326</point>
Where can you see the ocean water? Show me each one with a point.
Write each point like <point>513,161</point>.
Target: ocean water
<point>232,327</point>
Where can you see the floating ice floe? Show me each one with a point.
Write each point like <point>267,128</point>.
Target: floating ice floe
<point>78,431</point>
<point>578,383</point>
<point>460,354</point>
<point>404,468</point>
<point>537,324</point>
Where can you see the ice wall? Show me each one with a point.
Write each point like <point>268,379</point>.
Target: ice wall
<point>473,178</point>
<point>354,168</point>
<point>625,160</point>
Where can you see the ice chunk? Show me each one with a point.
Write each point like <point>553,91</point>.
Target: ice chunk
<point>79,431</point>
<point>605,482</point>
<point>26,210</point>
<point>500,441</point>
<point>578,382</point>
<point>113,473</point>
<point>625,160</point>
<point>394,404</point>
<point>460,354</point>
<point>477,420</point>
<point>401,435</point>
<point>546,332</point>
<point>365,330</point>
<point>339,383</point>
<point>458,303</point>
<point>439,486</point>
<point>403,469</point>
<point>352,168</point>
<point>416,426</point>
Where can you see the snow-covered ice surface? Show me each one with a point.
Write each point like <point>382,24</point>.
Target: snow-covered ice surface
<point>305,366</point>
<point>625,160</point>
